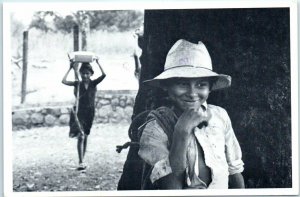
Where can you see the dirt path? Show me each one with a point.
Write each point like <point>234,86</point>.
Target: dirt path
<point>45,159</point>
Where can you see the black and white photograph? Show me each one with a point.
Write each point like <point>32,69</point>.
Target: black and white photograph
<point>164,99</point>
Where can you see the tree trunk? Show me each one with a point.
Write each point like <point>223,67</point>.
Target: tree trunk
<point>76,37</point>
<point>85,28</point>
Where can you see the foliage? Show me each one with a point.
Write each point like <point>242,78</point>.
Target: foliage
<point>42,20</point>
<point>105,20</point>
<point>16,33</point>
<point>17,27</point>
<point>64,24</point>
<point>120,20</point>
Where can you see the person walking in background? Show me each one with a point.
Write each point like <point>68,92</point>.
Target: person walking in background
<point>86,106</point>
<point>198,148</point>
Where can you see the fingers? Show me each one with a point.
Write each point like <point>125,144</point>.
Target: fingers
<point>197,112</point>
<point>196,116</point>
<point>191,117</point>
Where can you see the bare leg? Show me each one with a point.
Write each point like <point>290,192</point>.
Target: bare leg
<point>80,148</point>
<point>84,144</point>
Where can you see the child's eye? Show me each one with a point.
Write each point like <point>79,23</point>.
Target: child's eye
<point>202,85</point>
<point>182,83</point>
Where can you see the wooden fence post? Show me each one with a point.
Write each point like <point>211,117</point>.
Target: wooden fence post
<point>76,37</point>
<point>24,69</point>
<point>85,26</point>
<point>83,41</point>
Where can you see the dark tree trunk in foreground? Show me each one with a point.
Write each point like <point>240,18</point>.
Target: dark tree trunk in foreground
<point>251,45</point>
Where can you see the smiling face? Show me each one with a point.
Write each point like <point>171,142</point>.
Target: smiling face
<point>188,93</point>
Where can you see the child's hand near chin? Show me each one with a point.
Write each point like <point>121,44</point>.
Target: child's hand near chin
<point>190,119</point>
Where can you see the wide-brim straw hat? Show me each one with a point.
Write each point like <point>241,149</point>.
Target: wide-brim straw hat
<point>189,60</point>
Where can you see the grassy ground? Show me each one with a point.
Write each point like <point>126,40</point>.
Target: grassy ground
<point>45,159</point>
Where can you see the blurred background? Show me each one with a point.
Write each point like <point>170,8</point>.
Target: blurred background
<point>109,34</point>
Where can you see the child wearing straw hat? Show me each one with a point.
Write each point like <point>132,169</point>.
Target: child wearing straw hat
<point>203,151</point>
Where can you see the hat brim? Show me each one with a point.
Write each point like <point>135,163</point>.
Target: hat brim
<point>221,81</point>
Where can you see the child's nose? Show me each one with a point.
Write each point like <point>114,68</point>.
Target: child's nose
<point>193,91</point>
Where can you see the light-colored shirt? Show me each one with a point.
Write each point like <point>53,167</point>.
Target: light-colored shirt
<point>222,152</point>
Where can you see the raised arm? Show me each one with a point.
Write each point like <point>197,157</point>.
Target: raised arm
<point>102,76</point>
<point>64,80</point>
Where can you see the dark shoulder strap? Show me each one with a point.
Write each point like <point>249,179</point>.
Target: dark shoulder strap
<point>136,172</point>
<point>134,128</point>
<point>98,80</point>
<point>166,118</point>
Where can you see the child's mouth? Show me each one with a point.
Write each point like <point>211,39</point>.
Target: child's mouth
<point>191,101</point>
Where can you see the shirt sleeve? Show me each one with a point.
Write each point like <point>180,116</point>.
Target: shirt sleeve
<point>75,83</point>
<point>98,80</point>
<point>233,150</point>
<point>153,150</point>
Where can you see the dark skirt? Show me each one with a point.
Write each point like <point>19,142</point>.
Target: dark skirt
<point>85,118</point>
